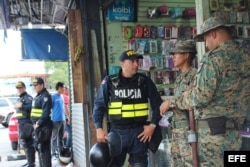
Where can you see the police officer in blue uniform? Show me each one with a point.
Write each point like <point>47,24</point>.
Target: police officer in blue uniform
<point>40,116</point>
<point>125,98</point>
<point>25,127</point>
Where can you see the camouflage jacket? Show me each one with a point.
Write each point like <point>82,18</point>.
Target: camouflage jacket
<point>222,83</point>
<point>183,82</point>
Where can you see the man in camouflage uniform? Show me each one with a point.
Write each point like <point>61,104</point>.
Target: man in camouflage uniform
<point>220,93</point>
<point>183,55</point>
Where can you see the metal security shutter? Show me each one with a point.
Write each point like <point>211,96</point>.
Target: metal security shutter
<point>79,126</point>
<point>80,139</point>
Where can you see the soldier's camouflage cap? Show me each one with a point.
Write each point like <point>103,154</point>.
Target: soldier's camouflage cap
<point>210,24</point>
<point>184,47</point>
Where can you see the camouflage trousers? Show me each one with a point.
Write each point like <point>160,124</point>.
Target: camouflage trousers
<point>210,148</point>
<point>181,151</point>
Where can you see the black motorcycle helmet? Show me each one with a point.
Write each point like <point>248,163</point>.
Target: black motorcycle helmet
<point>102,153</point>
<point>115,144</point>
<point>99,155</point>
<point>65,155</point>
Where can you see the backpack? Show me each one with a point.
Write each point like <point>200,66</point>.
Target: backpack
<point>188,13</point>
<point>175,13</point>
<point>162,10</point>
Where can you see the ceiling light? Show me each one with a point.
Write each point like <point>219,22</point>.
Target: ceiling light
<point>30,26</point>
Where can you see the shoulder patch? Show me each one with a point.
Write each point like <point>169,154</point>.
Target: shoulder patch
<point>103,82</point>
<point>45,99</point>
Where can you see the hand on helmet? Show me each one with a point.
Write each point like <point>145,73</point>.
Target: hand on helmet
<point>101,135</point>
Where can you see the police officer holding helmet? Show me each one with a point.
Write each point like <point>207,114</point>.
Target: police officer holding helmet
<point>125,97</point>
<point>40,116</point>
<point>25,127</point>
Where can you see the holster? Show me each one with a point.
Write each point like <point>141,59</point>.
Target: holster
<point>42,134</point>
<point>25,131</point>
<point>155,139</point>
<point>217,125</point>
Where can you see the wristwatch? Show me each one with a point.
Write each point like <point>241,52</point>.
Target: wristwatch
<point>153,125</point>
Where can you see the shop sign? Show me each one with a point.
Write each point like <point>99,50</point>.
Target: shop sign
<point>122,10</point>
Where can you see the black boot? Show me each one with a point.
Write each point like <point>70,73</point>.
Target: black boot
<point>46,160</point>
<point>30,155</point>
<point>24,165</point>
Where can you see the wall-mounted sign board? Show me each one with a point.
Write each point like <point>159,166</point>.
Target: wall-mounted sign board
<point>122,10</point>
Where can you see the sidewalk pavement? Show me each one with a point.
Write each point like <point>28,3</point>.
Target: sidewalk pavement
<point>17,160</point>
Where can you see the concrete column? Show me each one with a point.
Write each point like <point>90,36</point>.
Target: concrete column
<point>202,13</point>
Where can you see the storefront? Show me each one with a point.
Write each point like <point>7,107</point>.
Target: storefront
<point>151,28</point>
